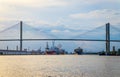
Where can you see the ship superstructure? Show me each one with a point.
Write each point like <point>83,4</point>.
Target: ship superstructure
<point>54,50</point>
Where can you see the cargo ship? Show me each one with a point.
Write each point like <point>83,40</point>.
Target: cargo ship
<point>54,50</point>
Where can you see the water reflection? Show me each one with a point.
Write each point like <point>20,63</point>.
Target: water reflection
<point>60,66</point>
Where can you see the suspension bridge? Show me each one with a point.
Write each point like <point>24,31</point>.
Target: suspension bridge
<point>107,28</point>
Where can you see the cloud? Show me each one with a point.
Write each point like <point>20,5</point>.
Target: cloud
<point>55,31</point>
<point>98,17</point>
<point>94,1</point>
<point>34,3</point>
<point>95,14</point>
<point>2,27</point>
<point>60,31</point>
<point>12,10</point>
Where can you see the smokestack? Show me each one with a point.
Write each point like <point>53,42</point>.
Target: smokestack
<point>53,44</point>
<point>7,48</point>
<point>17,48</point>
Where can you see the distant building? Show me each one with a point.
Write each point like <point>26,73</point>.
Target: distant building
<point>12,52</point>
<point>118,50</point>
<point>113,52</point>
<point>118,53</point>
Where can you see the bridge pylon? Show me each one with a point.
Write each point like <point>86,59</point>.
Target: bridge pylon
<point>21,32</point>
<point>107,38</point>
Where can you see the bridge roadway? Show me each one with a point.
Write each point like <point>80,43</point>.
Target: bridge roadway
<point>57,40</point>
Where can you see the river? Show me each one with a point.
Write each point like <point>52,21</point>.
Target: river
<point>59,66</point>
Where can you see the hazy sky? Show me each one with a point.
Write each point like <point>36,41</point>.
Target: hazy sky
<point>70,13</point>
<point>61,17</point>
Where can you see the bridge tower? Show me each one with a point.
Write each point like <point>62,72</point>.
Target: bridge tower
<point>21,24</point>
<point>107,38</point>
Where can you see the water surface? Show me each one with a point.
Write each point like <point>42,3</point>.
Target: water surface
<point>59,66</point>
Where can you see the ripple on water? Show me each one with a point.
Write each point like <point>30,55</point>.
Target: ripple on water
<point>59,66</point>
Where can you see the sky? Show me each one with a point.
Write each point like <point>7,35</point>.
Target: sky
<point>66,18</point>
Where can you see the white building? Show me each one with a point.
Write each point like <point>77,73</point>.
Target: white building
<point>13,52</point>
